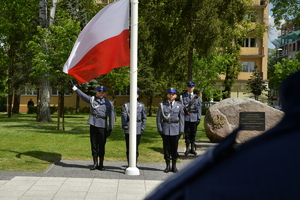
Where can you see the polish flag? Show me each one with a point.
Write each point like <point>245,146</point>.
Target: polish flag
<point>102,45</point>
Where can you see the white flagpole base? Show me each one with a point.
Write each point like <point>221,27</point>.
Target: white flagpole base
<point>132,171</point>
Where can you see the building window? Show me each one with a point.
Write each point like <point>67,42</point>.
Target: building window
<point>294,46</point>
<point>248,66</point>
<point>124,92</point>
<point>54,92</point>
<point>249,42</point>
<point>252,17</point>
<point>28,89</point>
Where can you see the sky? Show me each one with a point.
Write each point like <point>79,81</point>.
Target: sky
<point>273,32</point>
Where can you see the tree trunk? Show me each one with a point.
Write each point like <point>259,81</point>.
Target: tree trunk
<point>149,105</point>
<point>43,113</point>
<point>228,90</point>
<point>62,102</point>
<point>190,64</point>
<point>77,104</point>
<point>58,111</point>
<point>43,13</point>
<point>52,11</point>
<point>227,83</point>
<point>16,106</point>
<point>9,104</point>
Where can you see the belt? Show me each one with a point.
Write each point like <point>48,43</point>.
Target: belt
<point>193,111</point>
<point>171,121</point>
<point>136,120</point>
<point>98,116</point>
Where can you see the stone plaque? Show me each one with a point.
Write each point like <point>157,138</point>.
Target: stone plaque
<point>253,121</point>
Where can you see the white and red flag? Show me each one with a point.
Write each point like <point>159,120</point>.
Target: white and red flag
<point>102,45</point>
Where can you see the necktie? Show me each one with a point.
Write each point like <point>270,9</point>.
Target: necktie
<point>190,96</point>
<point>171,105</point>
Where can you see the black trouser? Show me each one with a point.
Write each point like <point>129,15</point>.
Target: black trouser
<point>170,144</point>
<point>98,141</point>
<point>138,140</point>
<point>190,129</point>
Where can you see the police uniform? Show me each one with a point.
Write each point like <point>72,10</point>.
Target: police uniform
<point>141,118</point>
<point>265,167</point>
<point>170,125</point>
<point>102,111</point>
<point>192,117</point>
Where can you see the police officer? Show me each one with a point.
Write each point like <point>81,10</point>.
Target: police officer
<point>170,125</point>
<point>192,116</point>
<point>141,118</point>
<point>265,167</point>
<point>102,111</point>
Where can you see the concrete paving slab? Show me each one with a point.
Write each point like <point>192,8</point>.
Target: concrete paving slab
<point>69,179</point>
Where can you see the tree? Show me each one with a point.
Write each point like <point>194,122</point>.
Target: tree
<point>17,24</point>
<point>206,72</point>
<point>273,59</point>
<point>52,48</point>
<point>174,32</point>
<point>285,9</point>
<point>284,69</point>
<point>256,85</point>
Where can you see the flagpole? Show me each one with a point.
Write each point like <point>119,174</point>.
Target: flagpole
<point>132,169</point>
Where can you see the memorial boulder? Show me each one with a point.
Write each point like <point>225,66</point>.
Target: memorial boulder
<point>222,118</point>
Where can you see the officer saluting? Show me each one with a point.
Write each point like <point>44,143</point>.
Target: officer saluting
<point>141,118</point>
<point>170,125</point>
<point>101,109</point>
<point>192,109</point>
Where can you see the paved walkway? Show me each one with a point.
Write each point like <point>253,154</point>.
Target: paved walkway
<point>71,179</point>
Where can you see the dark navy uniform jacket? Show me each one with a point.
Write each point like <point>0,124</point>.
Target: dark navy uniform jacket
<point>266,167</point>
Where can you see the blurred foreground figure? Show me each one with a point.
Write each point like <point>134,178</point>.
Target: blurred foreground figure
<point>266,167</point>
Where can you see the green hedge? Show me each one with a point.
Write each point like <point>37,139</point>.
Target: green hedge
<point>33,109</point>
<point>86,109</point>
<point>204,110</point>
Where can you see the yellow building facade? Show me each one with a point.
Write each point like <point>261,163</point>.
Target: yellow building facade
<point>253,53</point>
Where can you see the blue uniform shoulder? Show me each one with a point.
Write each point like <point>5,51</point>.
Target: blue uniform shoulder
<point>141,103</point>
<point>185,95</point>
<point>178,103</point>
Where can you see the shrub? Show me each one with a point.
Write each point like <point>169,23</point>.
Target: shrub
<point>32,109</point>
<point>118,109</point>
<point>53,109</point>
<point>154,109</point>
<point>204,110</point>
<point>85,109</point>
<point>70,110</point>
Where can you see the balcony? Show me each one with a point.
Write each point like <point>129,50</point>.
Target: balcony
<point>252,52</point>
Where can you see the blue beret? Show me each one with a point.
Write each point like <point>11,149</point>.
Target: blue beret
<point>101,88</point>
<point>172,90</point>
<point>190,83</point>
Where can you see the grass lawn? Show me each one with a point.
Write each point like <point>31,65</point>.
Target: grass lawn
<point>27,145</point>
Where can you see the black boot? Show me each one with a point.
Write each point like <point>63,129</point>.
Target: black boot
<point>187,151</point>
<point>167,166</point>
<point>101,167</point>
<point>127,160</point>
<point>193,149</point>
<point>174,168</point>
<point>95,165</point>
